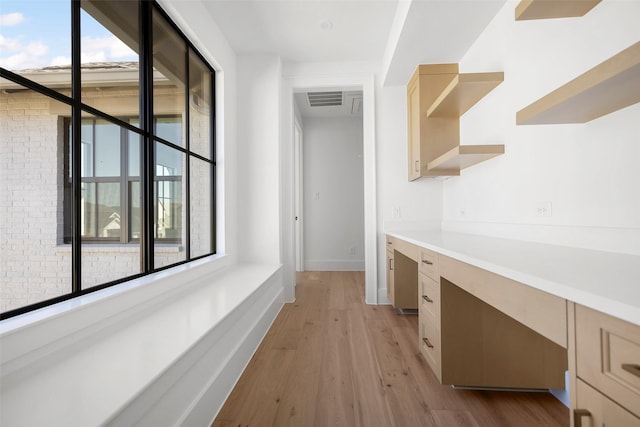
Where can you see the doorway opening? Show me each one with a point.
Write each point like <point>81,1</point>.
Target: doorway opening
<point>329,180</point>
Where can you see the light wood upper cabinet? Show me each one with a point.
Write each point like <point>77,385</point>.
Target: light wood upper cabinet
<point>610,86</point>
<point>547,9</point>
<point>437,95</point>
<point>429,138</point>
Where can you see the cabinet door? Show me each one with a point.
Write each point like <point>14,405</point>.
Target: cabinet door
<point>390,281</point>
<point>608,356</point>
<point>596,410</point>
<point>413,128</point>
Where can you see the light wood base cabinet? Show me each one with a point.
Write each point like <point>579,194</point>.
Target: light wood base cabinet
<point>402,276</point>
<point>601,411</point>
<point>606,374</point>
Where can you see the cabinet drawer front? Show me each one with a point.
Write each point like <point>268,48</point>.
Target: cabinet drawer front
<point>430,342</point>
<point>598,410</point>
<point>429,296</point>
<point>608,358</point>
<point>390,245</point>
<point>428,264</point>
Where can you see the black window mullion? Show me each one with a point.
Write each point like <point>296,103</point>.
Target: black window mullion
<point>187,167</point>
<point>212,136</point>
<point>76,157</point>
<point>146,123</point>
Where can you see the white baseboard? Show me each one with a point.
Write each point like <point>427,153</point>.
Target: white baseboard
<point>334,265</point>
<point>382,297</point>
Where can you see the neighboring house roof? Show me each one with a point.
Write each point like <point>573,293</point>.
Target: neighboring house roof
<point>97,74</point>
<point>90,66</point>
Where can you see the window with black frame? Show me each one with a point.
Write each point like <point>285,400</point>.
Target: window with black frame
<point>107,150</point>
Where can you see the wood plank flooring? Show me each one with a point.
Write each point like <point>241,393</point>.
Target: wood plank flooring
<point>331,360</point>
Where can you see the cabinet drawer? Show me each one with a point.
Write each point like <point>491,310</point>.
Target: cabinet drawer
<point>429,296</point>
<point>390,244</point>
<point>428,264</point>
<point>608,356</point>
<point>430,341</point>
<point>595,409</point>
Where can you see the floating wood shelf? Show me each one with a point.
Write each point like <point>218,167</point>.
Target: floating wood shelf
<point>610,86</point>
<point>548,9</point>
<point>463,156</point>
<point>464,91</point>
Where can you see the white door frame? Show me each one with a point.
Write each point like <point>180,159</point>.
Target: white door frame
<point>298,192</point>
<point>300,83</point>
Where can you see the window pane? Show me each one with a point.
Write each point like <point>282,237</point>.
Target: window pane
<point>36,41</point>
<point>199,106</point>
<point>100,210</point>
<point>169,200</point>
<point>107,148</point>
<point>109,56</point>
<point>169,56</point>
<point>169,128</point>
<point>35,265</point>
<point>88,210</point>
<point>201,207</point>
<point>134,210</point>
<point>134,153</point>
<point>109,212</point>
<point>110,206</point>
<point>86,167</point>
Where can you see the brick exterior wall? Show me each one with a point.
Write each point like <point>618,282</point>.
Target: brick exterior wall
<point>35,264</point>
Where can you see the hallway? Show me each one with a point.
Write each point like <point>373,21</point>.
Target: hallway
<point>330,359</point>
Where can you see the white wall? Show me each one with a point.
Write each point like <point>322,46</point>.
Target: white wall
<point>588,172</point>
<point>402,205</point>
<point>195,21</point>
<point>259,78</point>
<point>333,194</point>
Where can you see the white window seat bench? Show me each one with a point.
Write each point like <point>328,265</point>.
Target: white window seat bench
<point>165,349</point>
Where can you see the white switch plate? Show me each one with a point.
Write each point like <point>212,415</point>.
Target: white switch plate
<point>396,213</point>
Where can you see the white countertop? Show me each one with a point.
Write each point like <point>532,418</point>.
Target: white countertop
<point>605,281</point>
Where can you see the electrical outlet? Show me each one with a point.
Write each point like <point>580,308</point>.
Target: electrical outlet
<point>463,212</point>
<point>352,250</point>
<point>543,209</point>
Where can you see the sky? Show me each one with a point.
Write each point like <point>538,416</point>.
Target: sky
<point>37,33</point>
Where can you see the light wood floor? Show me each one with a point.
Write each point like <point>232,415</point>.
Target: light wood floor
<point>331,360</point>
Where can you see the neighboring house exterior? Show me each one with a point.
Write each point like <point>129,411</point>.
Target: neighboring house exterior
<point>35,259</point>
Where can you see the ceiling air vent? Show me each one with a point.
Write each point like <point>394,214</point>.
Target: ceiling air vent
<point>324,99</point>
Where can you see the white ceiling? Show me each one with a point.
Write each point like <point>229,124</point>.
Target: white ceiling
<point>293,29</point>
<point>398,34</point>
<point>433,32</point>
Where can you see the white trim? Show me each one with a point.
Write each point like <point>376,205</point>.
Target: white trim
<point>364,81</point>
<point>298,196</point>
<point>334,265</point>
<point>382,297</point>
